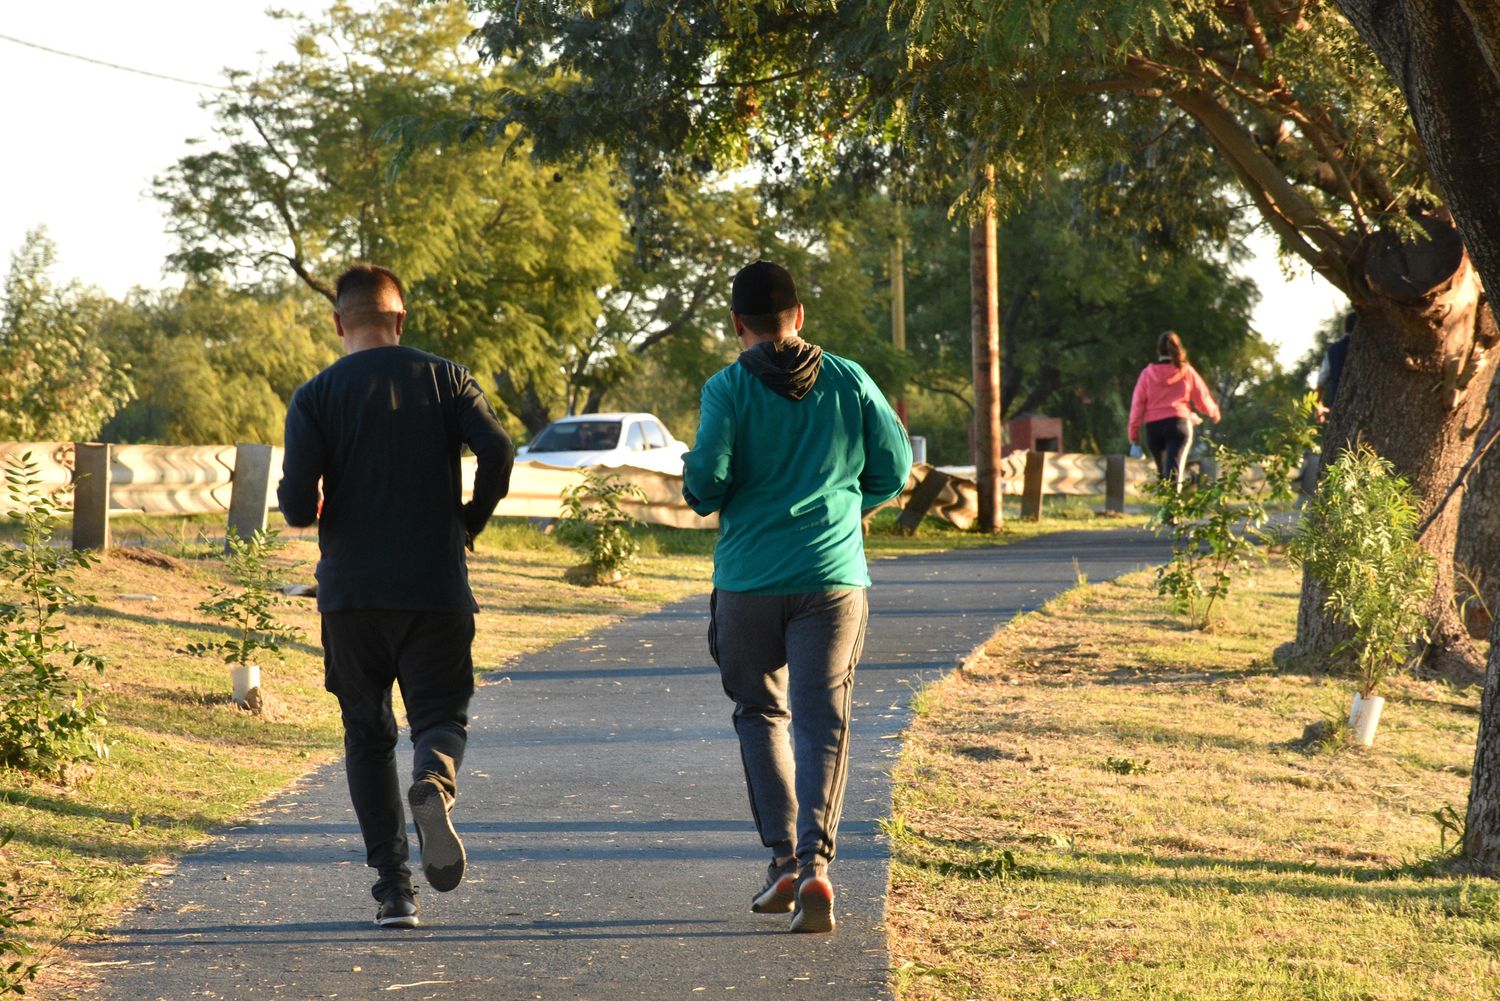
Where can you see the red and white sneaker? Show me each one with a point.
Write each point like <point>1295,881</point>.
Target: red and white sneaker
<point>813,899</point>
<point>781,885</point>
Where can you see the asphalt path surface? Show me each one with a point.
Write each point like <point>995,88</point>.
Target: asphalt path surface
<point>611,853</point>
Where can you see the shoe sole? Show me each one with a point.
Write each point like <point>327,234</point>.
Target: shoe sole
<point>443,856</point>
<point>814,907</point>
<point>400,921</point>
<point>778,898</point>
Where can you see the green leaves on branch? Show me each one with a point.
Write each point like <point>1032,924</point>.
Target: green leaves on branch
<point>58,384</point>
<point>1216,524</point>
<point>49,718</point>
<point>248,610</point>
<point>594,520</point>
<point>1357,540</point>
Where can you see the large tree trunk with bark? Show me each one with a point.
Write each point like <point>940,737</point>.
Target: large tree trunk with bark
<point>1445,57</point>
<point>1414,387</point>
<point>1476,558</point>
<point>1482,825</point>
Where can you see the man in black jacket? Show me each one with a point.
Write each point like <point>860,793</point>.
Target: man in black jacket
<point>382,429</point>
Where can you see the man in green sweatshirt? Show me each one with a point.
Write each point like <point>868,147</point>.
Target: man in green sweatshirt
<point>794,445</point>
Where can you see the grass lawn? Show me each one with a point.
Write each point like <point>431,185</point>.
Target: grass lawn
<point>1109,806</point>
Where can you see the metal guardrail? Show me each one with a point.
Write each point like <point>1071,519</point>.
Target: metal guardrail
<point>96,481</point>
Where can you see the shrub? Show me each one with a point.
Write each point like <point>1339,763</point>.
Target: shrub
<point>1357,541</point>
<point>248,608</point>
<point>49,719</point>
<point>1217,525</point>
<point>595,520</point>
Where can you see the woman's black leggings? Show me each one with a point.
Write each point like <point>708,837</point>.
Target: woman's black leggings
<point>1169,441</point>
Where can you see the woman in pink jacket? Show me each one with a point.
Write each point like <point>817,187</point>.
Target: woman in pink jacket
<point>1166,394</point>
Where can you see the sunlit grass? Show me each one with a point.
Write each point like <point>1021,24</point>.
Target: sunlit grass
<point>1169,834</point>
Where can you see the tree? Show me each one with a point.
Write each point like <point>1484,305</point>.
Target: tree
<point>1310,132</point>
<point>1445,57</point>
<point>503,260</point>
<point>214,365</point>
<point>59,382</point>
<point>1086,292</point>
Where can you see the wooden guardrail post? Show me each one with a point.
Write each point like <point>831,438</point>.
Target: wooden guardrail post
<point>91,477</point>
<point>250,490</point>
<point>1031,486</point>
<point>1114,484</point>
<point>922,499</point>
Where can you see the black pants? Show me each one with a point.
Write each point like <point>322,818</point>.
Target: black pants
<point>1169,440</point>
<point>428,655</point>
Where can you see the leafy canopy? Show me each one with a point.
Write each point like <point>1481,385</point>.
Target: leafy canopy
<point>59,384</point>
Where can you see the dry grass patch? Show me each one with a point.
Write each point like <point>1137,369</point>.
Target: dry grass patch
<point>1108,805</point>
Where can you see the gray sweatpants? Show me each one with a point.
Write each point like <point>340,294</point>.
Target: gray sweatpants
<point>788,661</point>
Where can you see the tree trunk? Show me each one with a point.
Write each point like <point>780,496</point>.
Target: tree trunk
<point>1445,57</point>
<point>1440,53</point>
<point>523,402</point>
<point>1414,387</point>
<point>984,309</point>
<point>1482,825</point>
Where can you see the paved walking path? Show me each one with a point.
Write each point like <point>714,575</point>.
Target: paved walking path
<point>611,852</point>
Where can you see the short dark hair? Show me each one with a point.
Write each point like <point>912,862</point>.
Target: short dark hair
<point>770,324</point>
<point>360,288</point>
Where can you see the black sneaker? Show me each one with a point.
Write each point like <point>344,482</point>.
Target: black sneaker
<point>812,909</point>
<point>776,896</point>
<point>442,853</point>
<point>399,910</point>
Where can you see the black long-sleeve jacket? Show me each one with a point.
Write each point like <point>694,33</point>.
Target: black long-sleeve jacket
<point>383,429</point>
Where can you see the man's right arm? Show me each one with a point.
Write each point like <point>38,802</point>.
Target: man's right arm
<point>304,459</point>
<point>479,429</point>
<point>706,470</point>
<point>887,449</point>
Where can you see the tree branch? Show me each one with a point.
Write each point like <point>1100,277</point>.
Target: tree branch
<point>1290,214</point>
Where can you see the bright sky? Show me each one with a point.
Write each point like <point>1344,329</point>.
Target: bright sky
<point>86,140</point>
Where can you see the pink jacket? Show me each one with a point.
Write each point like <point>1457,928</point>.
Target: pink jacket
<point>1164,390</point>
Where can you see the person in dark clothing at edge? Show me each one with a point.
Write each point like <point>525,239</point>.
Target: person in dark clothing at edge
<point>793,445</point>
<point>1331,369</point>
<point>382,429</point>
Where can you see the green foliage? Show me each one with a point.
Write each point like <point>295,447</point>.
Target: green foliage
<point>928,93</point>
<point>214,365</point>
<point>1216,523</point>
<point>48,718</point>
<point>990,866</point>
<point>59,384</point>
<point>595,520</point>
<point>17,968</point>
<point>249,608</point>
<point>1086,290</point>
<point>1356,539</point>
<point>503,259</point>
<point>1127,766</point>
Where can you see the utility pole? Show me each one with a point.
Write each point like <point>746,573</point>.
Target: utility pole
<point>984,312</point>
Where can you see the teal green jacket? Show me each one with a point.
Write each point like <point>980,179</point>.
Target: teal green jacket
<point>791,478</point>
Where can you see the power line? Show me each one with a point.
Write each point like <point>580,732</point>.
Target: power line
<point>113,66</point>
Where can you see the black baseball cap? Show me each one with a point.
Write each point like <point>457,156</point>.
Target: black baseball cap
<point>763,288</point>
